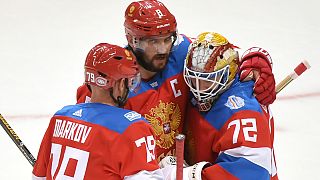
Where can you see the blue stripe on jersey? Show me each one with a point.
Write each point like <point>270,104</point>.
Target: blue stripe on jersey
<point>220,113</point>
<point>110,117</point>
<point>242,168</point>
<point>174,67</point>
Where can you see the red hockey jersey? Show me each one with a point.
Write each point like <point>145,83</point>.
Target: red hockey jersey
<point>161,100</point>
<point>236,136</point>
<point>97,141</point>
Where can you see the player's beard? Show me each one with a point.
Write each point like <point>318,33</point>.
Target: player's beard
<point>156,64</point>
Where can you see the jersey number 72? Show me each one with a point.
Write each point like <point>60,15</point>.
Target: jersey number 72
<point>248,125</point>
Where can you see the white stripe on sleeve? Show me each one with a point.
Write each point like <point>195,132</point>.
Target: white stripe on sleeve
<point>260,156</point>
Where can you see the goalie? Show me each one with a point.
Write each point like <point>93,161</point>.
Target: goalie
<point>226,126</point>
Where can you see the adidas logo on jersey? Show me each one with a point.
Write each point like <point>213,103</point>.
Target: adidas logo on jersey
<point>78,113</point>
<point>132,115</point>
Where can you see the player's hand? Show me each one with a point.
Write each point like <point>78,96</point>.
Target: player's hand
<point>170,160</point>
<point>168,167</point>
<point>256,64</point>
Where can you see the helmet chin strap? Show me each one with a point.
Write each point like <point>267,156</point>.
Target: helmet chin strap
<point>121,101</point>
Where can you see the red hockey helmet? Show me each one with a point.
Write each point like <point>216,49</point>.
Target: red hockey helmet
<point>148,18</point>
<point>107,63</point>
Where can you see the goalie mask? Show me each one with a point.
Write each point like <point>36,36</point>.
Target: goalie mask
<point>210,66</point>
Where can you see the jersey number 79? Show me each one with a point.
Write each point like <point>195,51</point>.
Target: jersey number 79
<point>73,165</point>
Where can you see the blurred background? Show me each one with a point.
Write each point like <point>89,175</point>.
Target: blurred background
<point>43,45</point>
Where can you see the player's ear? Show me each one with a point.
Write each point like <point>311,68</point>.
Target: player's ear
<point>122,84</point>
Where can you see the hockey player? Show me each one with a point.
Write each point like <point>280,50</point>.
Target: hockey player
<point>98,140</point>
<point>151,31</point>
<point>226,125</point>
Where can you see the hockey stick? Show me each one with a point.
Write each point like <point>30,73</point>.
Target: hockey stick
<point>180,155</point>
<point>301,68</point>
<point>15,138</point>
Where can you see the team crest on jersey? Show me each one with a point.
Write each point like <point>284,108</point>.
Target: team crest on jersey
<point>154,84</point>
<point>234,102</point>
<point>132,115</point>
<point>165,120</point>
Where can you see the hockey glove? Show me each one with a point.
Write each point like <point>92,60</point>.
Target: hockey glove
<point>170,160</point>
<point>168,166</point>
<point>256,64</point>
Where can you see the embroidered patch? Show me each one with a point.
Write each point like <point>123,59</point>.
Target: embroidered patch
<point>234,102</point>
<point>154,84</point>
<point>132,115</point>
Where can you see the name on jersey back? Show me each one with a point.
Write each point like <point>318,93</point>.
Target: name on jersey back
<point>71,130</point>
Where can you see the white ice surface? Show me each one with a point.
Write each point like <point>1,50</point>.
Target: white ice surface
<point>43,45</point>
